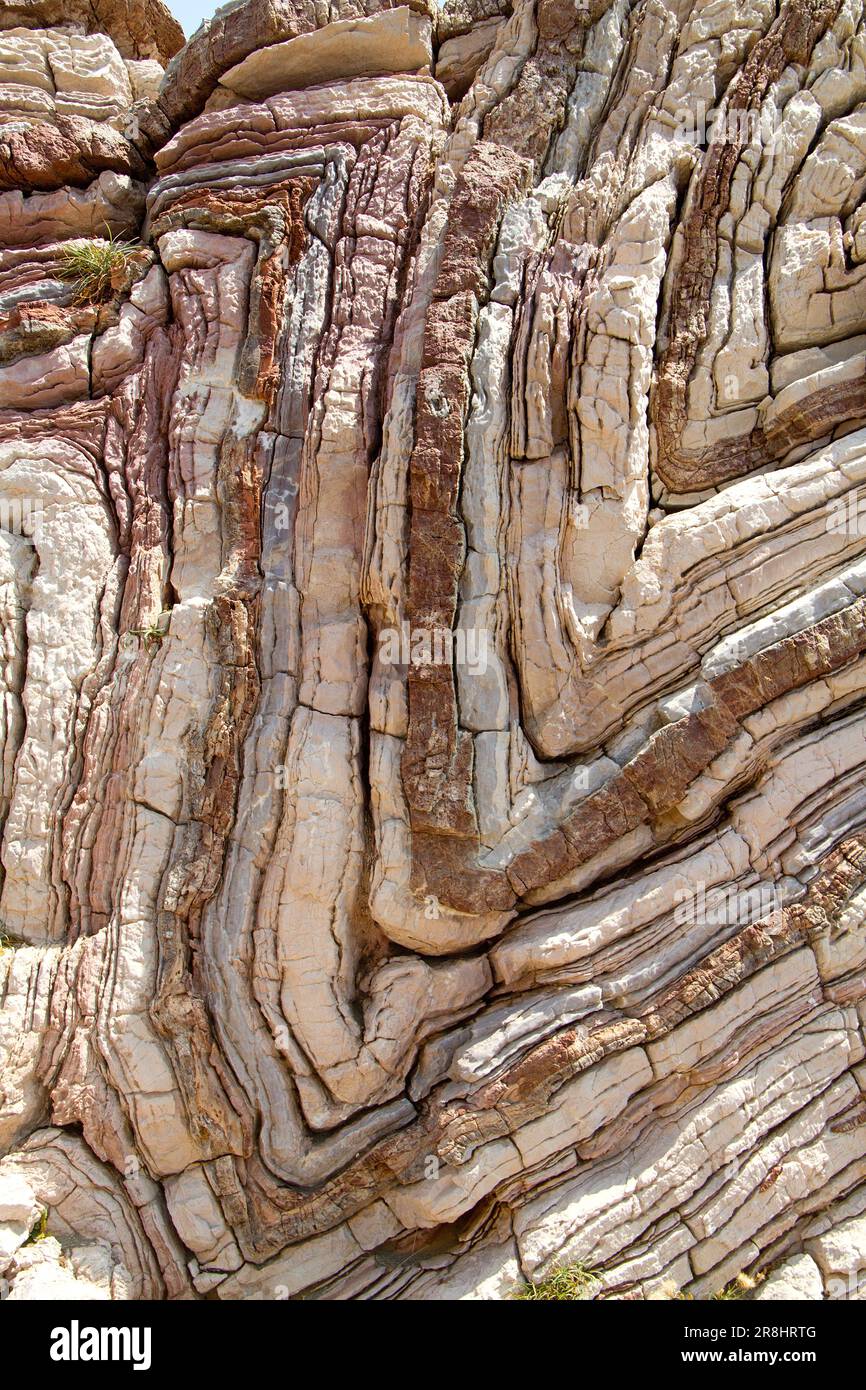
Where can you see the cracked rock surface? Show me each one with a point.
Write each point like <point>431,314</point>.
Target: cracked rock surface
<point>433,596</point>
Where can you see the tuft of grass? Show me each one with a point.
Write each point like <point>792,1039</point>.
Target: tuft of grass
<point>738,1288</point>
<point>572,1284</point>
<point>99,268</point>
<point>666,1291</point>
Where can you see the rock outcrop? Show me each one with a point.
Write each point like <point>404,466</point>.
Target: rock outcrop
<point>434,648</point>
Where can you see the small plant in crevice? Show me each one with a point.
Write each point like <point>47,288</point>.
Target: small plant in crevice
<point>151,637</point>
<point>738,1288</point>
<point>571,1284</point>
<point>666,1292</point>
<point>99,268</point>
<point>40,1230</point>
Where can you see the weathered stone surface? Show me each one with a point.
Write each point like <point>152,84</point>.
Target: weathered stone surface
<point>797,1280</point>
<point>142,29</point>
<point>433,596</point>
<point>235,32</point>
<point>396,40</point>
<point>52,72</point>
<point>460,57</point>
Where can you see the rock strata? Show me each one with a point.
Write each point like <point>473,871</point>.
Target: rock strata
<point>433,581</point>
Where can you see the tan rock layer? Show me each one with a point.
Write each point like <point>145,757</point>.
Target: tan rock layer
<point>141,31</point>
<point>790,39</point>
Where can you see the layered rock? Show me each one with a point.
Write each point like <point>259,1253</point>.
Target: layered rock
<point>434,592</point>
<point>143,30</point>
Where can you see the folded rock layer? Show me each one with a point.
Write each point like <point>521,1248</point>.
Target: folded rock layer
<point>433,547</point>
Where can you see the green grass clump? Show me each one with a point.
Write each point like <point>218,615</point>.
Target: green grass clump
<point>99,268</point>
<point>572,1284</point>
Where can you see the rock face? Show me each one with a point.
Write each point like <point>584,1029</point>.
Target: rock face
<point>142,29</point>
<point>434,649</point>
